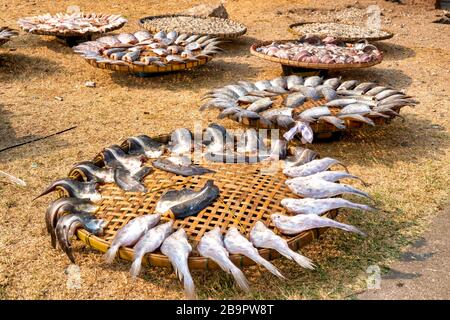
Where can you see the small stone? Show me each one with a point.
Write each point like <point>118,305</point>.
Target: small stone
<point>34,165</point>
<point>90,84</point>
<point>59,98</point>
<point>208,10</point>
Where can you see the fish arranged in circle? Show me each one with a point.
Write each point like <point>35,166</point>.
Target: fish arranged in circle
<point>280,103</point>
<point>142,48</point>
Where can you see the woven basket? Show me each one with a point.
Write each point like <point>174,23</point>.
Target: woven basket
<point>306,65</point>
<point>246,196</point>
<point>222,35</point>
<point>132,68</point>
<point>348,39</point>
<point>66,33</point>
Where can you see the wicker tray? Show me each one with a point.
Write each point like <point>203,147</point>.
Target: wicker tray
<point>69,33</point>
<point>246,196</point>
<point>149,69</point>
<point>11,33</point>
<point>321,129</point>
<point>306,65</point>
<point>346,39</point>
<point>223,35</point>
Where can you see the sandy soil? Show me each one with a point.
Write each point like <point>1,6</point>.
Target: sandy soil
<point>406,163</point>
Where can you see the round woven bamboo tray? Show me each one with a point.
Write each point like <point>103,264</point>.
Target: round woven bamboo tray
<point>69,33</point>
<point>5,39</point>
<point>246,195</point>
<point>346,39</point>
<point>222,35</point>
<point>132,68</point>
<point>322,130</point>
<point>306,65</point>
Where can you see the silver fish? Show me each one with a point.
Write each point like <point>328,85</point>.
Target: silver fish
<point>279,82</point>
<point>347,85</point>
<point>355,108</point>
<point>149,242</point>
<point>217,138</point>
<point>293,80</point>
<point>177,248</point>
<point>129,234</point>
<point>131,182</point>
<point>276,90</point>
<point>248,99</point>
<point>312,114</point>
<point>114,157</point>
<point>294,100</point>
<point>282,121</point>
<point>341,102</point>
<point>309,92</point>
<point>260,105</point>
<point>312,81</point>
<point>160,35</point>
<point>332,83</point>
<point>62,206</point>
<point>182,170</point>
<point>219,104</point>
<point>376,90</point>
<point>67,226</point>
<point>300,156</point>
<point>91,172</point>
<point>238,90</point>
<point>386,93</point>
<point>211,246</point>
<point>75,189</point>
<point>263,85</point>
<point>172,35</point>
<point>364,87</point>
<point>331,176</point>
<point>247,85</point>
<point>312,167</point>
<point>357,117</point>
<point>328,93</point>
<point>320,206</point>
<point>127,38</point>
<point>335,121</point>
<point>181,141</point>
<point>278,111</point>
<point>249,142</point>
<point>319,189</point>
<point>262,237</point>
<point>236,243</point>
<point>142,35</point>
<point>186,202</point>
<point>146,146</point>
<point>292,225</point>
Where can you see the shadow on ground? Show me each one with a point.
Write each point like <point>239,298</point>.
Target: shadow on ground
<point>14,65</point>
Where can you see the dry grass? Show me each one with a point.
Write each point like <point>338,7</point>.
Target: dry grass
<point>406,163</point>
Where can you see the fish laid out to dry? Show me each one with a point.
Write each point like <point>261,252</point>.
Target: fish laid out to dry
<point>300,156</point>
<point>6,34</point>
<point>149,242</point>
<point>193,25</point>
<point>211,246</point>
<point>177,248</point>
<point>283,103</point>
<point>263,237</point>
<point>91,172</point>
<point>331,176</point>
<point>320,206</point>
<point>68,224</point>
<point>312,167</point>
<point>129,234</point>
<point>145,146</point>
<point>313,49</point>
<point>181,141</point>
<point>236,243</point>
<point>292,225</point>
<point>340,30</point>
<point>182,170</point>
<point>81,23</point>
<point>75,189</point>
<point>318,188</point>
<point>143,48</point>
<point>62,206</point>
<point>187,202</point>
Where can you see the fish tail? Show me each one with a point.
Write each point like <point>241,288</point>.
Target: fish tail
<point>136,267</point>
<point>361,206</point>
<point>358,192</point>
<point>51,188</point>
<point>345,227</point>
<point>303,261</point>
<point>269,266</point>
<point>240,278</point>
<point>189,287</point>
<point>111,254</point>
<point>343,165</point>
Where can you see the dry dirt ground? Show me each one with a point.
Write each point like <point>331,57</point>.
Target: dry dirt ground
<point>406,163</point>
